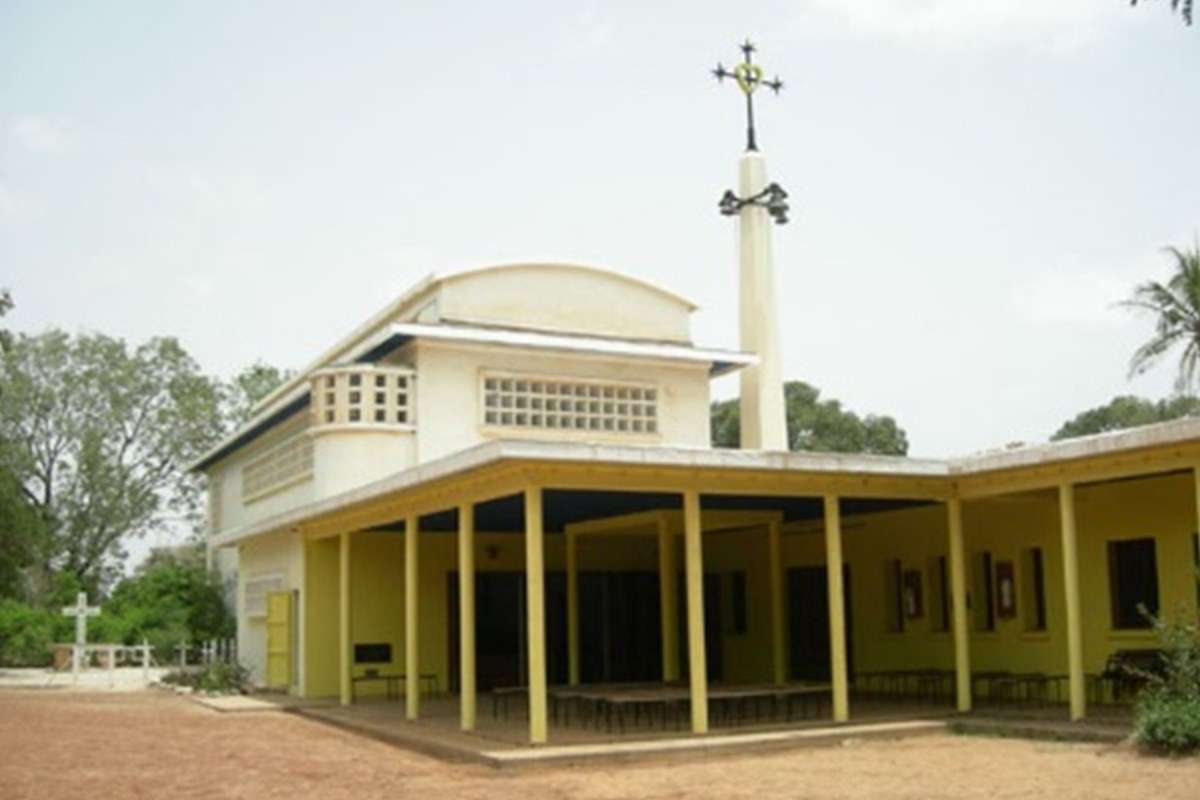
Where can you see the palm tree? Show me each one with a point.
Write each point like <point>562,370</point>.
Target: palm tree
<point>1176,307</point>
<point>1184,7</point>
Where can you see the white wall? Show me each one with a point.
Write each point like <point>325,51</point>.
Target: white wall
<point>449,398</point>
<point>565,298</point>
<point>279,554</point>
<point>232,512</point>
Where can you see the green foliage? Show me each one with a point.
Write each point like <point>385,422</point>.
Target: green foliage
<point>1175,307</point>
<point>1168,724</point>
<point>217,678</point>
<point>98,435</point>
<point>27,633</point>
<point>817,425</point>
<point>22,534</point>
<point>171,599</point>
<point>248,388</point>
<point>1185,8</point>
<point>1127,411</point>
<point>1168,712</point>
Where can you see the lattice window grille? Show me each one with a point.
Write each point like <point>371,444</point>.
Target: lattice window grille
<point>377,396</point>
<point>288,462</point>
<point>256,591</point>
<point>569,405</point>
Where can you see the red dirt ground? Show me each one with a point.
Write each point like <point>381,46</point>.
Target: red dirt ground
<point>62,745</point>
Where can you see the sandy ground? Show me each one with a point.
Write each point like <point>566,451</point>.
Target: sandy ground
<point>66,744</point>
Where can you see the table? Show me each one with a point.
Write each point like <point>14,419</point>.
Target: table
<point>392,681</point>
<point>614,705</point>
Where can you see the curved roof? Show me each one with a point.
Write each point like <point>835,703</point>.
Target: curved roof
<point>607,272</point>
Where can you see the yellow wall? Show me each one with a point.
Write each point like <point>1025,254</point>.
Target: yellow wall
<point>319,601</point>
<point>1162,507</point>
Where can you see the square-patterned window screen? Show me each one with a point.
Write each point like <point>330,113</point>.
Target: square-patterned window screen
<point>547,404</point>
<point>289,462</point>
<point>256,593</point>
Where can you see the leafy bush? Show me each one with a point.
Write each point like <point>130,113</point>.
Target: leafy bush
<point>170,600</point>
<point>1168,724</point>
<point>218,678</point>
<point>26,634</point>
<point>1168,713</point>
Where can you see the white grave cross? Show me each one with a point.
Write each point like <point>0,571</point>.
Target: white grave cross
<point>80,611</point>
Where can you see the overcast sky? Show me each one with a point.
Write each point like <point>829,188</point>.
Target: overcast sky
<point>974,184</point>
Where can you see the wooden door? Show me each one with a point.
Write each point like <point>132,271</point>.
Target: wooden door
<point>808,619</point>
<point>279,640</point>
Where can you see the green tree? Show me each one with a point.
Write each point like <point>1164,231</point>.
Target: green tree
<point>21,527</point>
<point>248,388</point>
<point>171,598</point>
<point>1127,411</point>
<point>6,305</point>
<point>1183,7</point>
<point>817,425</point>
<point>99,435</point>
<point>1175,307</point>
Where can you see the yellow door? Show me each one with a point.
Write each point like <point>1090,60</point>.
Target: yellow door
<point>279,640</point>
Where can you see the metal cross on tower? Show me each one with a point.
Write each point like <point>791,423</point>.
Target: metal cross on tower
<point>748,76</point>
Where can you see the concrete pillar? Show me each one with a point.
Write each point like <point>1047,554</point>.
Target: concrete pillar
<point>837,609</point>
<point>694,566</point>
<point>958,605</point>
<point>535,610</point>
<point>779,658</point>
<point>466,615</point>
<point>667,602</point>
<point>345,643</point>
<point>1070,554</point>
<point>412,617</point>
<point>572,608</point>
<point>763,421</point>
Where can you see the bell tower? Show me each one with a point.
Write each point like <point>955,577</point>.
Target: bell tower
<point>756,204</point>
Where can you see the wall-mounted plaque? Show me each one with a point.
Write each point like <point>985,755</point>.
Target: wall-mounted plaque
<point>1006,590</point>
<point>914,605</point>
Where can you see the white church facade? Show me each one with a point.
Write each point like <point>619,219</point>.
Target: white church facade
<point>505,480</point>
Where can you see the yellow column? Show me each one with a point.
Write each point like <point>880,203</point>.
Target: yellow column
<point>694,565</point>
<point>669,614</point>
<point>466,615</point>
<point>412,660</point>
<point>1070,554</point>
<point>837,609</point>
<point>345,644</point>
<point>572,609</point>
<point>535,610</point>
<point>958,605</point>
<point>775,564</point>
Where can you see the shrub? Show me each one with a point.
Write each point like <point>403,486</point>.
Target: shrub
<point>26,634</point>
<point>1168,724</point>
<point>1167,717</point>
<point>218,678</point>
<point>170,600</point>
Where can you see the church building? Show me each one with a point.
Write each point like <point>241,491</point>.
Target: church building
<point>503,483</point>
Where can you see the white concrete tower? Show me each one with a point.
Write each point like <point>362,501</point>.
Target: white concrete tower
<point>763,418</point>
<point>757,204</point>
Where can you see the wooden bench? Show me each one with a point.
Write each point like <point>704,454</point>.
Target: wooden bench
<point>391,681</point>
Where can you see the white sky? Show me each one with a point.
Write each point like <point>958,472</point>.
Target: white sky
<point>973,184</point>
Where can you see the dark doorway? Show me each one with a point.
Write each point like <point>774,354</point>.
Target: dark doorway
<point>713,630</point>
<point>808,615</point>
<point>500,643</point>
<point>619,627</point>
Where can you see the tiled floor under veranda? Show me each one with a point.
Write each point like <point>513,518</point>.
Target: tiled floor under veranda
<point>437,731</point>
